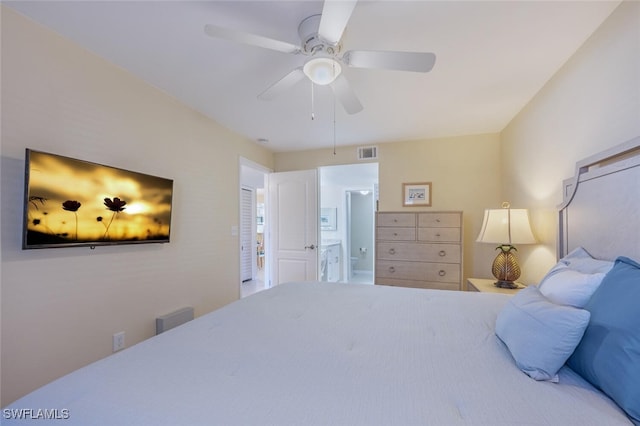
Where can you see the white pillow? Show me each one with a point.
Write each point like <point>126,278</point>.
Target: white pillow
<point>580,260</point>
<point>569,287</point>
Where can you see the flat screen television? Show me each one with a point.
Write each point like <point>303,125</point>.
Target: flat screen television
<point>70,202</point>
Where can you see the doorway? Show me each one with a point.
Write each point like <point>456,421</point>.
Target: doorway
<point>284,236</point>
<point>348,195</point>
<point>348,199</point>
<point>360,235</point>
<point>253,223</point>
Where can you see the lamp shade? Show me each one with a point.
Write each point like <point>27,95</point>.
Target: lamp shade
<point>506,226</point>
<point>321,70</point>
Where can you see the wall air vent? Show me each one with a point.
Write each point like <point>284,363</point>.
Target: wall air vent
<point>367,153</point>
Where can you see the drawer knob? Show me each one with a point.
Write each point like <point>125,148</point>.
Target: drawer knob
<point>392,251</point>
<point>395,220</point>
<point>442,253</point>
<point>395,234</point>
<point>438,234</point>
<point>392,269</point>
<point>438,220</point>
<point>442,273</point>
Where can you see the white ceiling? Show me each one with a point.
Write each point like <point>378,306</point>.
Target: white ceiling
<point>492,58</point>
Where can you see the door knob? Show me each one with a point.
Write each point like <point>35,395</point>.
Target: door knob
<point>312,247</point>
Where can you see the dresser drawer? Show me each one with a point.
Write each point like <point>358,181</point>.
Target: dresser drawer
<point>434,285</point>
<point>449,235</point>
<point>397,219</point>
<point>397,234</point>
<point>438,272</point>
<point>439,220</point>
<point>444,253</point>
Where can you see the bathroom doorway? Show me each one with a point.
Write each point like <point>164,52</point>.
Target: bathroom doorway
<point>360,240</point>
<point>348,195</point>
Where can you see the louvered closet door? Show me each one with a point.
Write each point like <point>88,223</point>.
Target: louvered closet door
<point>246,235</point>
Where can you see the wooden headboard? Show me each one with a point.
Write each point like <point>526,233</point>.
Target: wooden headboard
<point>601,207</point>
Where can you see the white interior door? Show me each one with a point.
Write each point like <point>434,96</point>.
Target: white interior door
<point>247,235</point>
<point>293,200</point>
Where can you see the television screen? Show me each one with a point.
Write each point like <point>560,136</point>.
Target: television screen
<point>71,202</point>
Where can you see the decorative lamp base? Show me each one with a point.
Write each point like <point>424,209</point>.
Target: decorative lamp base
<point>505,266</point>
<point>506,284</point>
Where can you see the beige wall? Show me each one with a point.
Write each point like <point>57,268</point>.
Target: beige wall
<point>67,303</point>
<point>591,104</point>
<point>464,172</point>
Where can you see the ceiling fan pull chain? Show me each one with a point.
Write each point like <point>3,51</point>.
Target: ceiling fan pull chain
<point>313,115</point>
<point>334,124</point>
<point>334,111</point>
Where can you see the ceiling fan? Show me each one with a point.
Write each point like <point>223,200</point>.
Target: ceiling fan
<point>321,41</point>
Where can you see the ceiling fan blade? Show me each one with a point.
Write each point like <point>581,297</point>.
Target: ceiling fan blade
<point>285,83</point>
<point>335,15</point>
<point>251,39</point>
<point>400,61</point>
<point>343,91</point>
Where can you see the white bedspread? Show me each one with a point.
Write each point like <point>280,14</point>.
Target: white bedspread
<point>325,354</point>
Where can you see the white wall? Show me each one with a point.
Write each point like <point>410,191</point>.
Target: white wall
<point>60,307</point>
<point>591,104</point>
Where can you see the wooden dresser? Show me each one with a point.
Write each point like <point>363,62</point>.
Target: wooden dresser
<point>421,249</point>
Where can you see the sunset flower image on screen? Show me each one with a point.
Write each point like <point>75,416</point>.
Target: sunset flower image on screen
<point>74,202</point>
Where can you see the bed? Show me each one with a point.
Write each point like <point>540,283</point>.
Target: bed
<point>319,353</point>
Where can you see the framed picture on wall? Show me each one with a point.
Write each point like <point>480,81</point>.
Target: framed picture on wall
<point>328,218</point>
<point>416,194</point>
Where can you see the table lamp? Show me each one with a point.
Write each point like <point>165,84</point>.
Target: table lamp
<point>506,226</point>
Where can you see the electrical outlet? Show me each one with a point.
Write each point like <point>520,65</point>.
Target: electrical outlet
<point>118,341</point>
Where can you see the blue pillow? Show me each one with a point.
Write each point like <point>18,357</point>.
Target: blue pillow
<point>540,334</point>
<point>609,354</point>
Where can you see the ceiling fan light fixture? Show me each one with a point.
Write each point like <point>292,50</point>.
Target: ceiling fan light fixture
<point>322,71</point>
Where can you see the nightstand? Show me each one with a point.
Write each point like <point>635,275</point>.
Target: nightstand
<point>486,286</point>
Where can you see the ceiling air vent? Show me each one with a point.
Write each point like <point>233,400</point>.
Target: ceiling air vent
<point>368,153</point>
